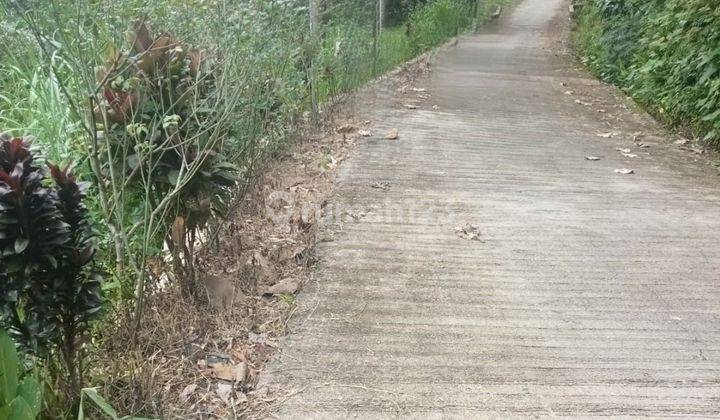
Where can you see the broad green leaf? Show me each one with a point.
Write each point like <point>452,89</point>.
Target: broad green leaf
<point>4,412</point>
<point>711,116</point>
<point>103,405</point>
<point>20,410</point>
<point>100,402</point>
<point>8,369</point>
<point>21,244</point>
<point>173,176</point>
<point>29,390</point>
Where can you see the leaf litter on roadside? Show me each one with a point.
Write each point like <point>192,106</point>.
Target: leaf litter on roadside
<point>393,134</point>
<point>624,171</point>
<point>592,158</point>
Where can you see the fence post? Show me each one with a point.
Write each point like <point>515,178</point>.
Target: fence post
<point>376,35</point>
<point>382,4</point>
<point>314,38</point>
<point>315,17</point>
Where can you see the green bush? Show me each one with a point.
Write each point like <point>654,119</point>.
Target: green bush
<point>437,21</point>
<point>666,54</point>
<point>19,394</point>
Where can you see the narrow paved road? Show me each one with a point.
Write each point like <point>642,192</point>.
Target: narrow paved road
<point>591,292</point>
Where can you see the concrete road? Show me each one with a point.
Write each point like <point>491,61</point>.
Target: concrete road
<point>588,293</point>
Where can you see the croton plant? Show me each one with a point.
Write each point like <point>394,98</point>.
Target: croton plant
<point>48,292</point>
<point>160,109</point>
<point>158,106</point>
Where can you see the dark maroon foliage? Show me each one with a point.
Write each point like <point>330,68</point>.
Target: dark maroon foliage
<point>48,293</point>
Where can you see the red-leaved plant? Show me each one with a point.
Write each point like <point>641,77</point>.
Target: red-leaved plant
<point>48,294</point>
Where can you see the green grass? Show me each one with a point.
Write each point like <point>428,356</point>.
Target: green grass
<point>350,55</point>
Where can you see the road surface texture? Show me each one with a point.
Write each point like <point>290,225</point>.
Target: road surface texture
<point>589,293</point>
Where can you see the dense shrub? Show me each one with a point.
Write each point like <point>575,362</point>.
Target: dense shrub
<point>666,54</point>
<point>50,293</point>
<point>163,119</point>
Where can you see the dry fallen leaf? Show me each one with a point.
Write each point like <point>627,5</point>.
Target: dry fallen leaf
<point>624,171</point>
<point>468,231</point>
<point>415,89</point>
<point>224,391</point>
<point>287,285</point>
<point>435,107</point>
<point>393,134</point>
<point>592,158</point>
<point>682,142</point>
<point>347,128</point>
<point>568,92</point>
<point>365,133</point>
<point>228,372</point>
<point>410,106</point>
<point>607,135</point>
<point>579,102</point>
<point>187,392</point>
<point>380,185</point>
<point>621,150</point>
<point>629,155</point>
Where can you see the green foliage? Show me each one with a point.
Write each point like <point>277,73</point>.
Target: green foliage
<point>437,21</point>
<point>157,102</point>
<point>19,396</point>
<point>101,404</point>
<point>159,109</point>
<point>350,52</point>
<point>666,54</point>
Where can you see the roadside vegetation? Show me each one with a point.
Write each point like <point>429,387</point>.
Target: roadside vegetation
<point>665,54</point>
<point>132,130</point>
